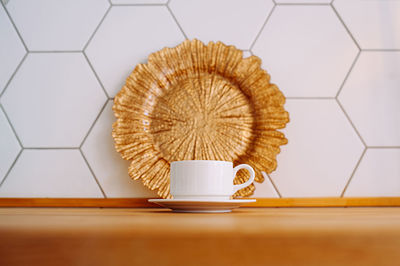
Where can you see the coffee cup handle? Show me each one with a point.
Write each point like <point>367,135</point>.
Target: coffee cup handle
<point>248,182</point>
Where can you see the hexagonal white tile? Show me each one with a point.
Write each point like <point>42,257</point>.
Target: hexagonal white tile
<point>9,146</point>
<point>378,175</point>
<point>108,166</point>
<point>146,2</point>
<point>57,25</point>
<point>371,96</point>
<point>306,50</point>
<point>265,189</point>
<point>126,37</point>
<point>53,100</point>
<point>375,24</point>
<point>322,152</point>
<point>234,22</point>
<point>11,49</point>
<point>50,173</point>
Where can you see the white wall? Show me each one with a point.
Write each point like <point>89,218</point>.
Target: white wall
<point>62,62</point>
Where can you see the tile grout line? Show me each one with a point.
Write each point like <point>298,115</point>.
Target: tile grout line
<point>83,141</point>
<point>93,174</point>
<point>176,21</point>
<point>15,27</point>
<point>345,113</point>
<point>344,25</point>
<point>354,171</point>
<point>12,126</point>
<point>94,122</point>
<point>341,106</point>
<point>4,89</point>
<point>351,123</point>
<point>266,176</point>
<point>95,74</point>
<point>262,29</point>
<point>16,136</point>
<point>348,73</point>
<point>11,166</point>
<point>96,29</point>
<point>87,58</point>
<point>14,73</point>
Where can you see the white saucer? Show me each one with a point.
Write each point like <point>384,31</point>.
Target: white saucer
<point>193,205</point>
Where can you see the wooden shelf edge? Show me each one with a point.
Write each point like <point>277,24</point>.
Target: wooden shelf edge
<point>143,203</point>
<point>327,202</point>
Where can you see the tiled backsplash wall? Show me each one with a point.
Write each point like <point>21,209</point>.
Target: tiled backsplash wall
<point>62,62</point>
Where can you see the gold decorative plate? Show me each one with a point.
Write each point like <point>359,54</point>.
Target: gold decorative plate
<point>198,102</point>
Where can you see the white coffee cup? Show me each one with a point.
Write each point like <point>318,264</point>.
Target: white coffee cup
<point>206,180</point>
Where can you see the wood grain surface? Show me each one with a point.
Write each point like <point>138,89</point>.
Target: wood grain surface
<point>248,236</point>
<point>143,203</point>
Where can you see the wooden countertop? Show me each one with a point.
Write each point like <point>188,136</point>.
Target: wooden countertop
<point>247,236</point>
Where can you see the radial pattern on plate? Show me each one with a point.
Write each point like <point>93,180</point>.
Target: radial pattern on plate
<point>198,102</point>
